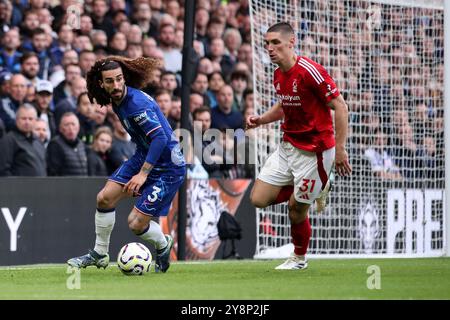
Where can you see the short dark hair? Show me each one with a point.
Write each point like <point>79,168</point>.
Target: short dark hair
<point>168,72</point>
<point>27,55</point>
<point>239,74</point>
<point>200,110</point>
<point>37,31</point>
<point>160,92</point>
<point>282,27</point>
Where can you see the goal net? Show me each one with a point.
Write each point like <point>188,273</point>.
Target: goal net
<point>387,60</point>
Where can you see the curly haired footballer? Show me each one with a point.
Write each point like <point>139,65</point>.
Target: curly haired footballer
<point>152,175</point>
<point>137,74</point>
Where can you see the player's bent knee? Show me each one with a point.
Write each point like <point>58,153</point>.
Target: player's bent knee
<point>257,201</point>
<point>104,201</point>
<point>136,227</point>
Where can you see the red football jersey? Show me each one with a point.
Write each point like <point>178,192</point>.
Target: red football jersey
<point>304,91</point>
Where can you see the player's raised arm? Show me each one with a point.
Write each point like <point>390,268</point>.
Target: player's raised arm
<point>341,122</point>
<point>273,114</point>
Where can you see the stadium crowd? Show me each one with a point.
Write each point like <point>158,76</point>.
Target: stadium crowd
<point>48,126</point>
<point>388,63</point>
<point>390,72</point>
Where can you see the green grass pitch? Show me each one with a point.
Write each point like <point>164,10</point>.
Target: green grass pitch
<point>243,279</point>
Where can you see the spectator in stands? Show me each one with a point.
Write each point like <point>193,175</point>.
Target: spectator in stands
<point>164,100</point>
<point>196,101</point>
<point>42,103</point>
<point>99,115</point>
<point>63,90</point>
<point>169,82</point>
<point>224,116</point>
<point>86,60</point>
<point>29,23</point>
<point>86,26</point>
<point>5,77</point>
<point>245,54</point>
<point>118,44</point>
<point>99,18</point>
<point>99,38</point>
<point>433,164</point>
<point>134,35</point>
<point>201,25</point>
<point>215,82</point>
<point>202,117</point>
<point>148,45</point>
<point>248,99</point>
<point>157,9</point>
<point>40,46</point>
<point>58,74</point>
<point>23,154</point>
<point>175,113</point>
<point>239,83</point>
<point>201,124</point>
<point>63,43</point>
<point>122,146</point>
<point>173,8</point>
<point>157,54</point>
<point>16,97</point>
<point>144,19</point>
<point>77,86</point>
<point>217,54</point>
<point>134,50</point>
<point>9,54</point>
<point>232,40</point>
<point>215,29</point>
<point>172,56</point>
<point>205,66</point>
<point>117,18</point>
<point>381,161</point>
<point>99,154</point>
<point>155,82</point>
<point>200,85</point>
<point>29,64</point>
<point>408,156</point>
<point>41,132</point>
<point>66,153</point>
<point>85,113</point>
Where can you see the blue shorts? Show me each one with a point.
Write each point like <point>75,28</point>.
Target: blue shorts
<point>157,193</point>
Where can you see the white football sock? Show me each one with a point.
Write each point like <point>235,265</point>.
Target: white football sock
<point>104,224</point>
<point>154,235</point>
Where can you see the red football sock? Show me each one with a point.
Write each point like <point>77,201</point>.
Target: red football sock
<point>284,194</point>
<point>301,233</point>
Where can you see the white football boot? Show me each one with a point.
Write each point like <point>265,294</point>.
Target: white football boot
<point>294,262</point>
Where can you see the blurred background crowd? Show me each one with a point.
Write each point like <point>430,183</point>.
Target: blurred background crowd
<point>48,126</point>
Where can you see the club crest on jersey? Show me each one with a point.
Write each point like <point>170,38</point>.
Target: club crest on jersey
<point>277,86</point>
<point>294,86</point>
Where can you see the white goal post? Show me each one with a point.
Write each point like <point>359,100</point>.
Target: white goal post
<point>387,58</point>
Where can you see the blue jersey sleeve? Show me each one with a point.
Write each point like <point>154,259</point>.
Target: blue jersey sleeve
<point>149,123</point>
<point>147,120</point>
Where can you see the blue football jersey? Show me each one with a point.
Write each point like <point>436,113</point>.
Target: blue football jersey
<point>141,116</point>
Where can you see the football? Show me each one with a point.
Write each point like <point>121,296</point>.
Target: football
<point>134,259</point>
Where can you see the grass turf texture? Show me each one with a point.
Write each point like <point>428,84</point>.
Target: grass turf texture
<point>244,279</point>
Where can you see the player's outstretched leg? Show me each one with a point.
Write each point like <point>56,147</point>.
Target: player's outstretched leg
<point>300,233</point>
<point>150,231</point>
<point>92,258</point>
<point>163,256</point>
<point>104,224</point>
